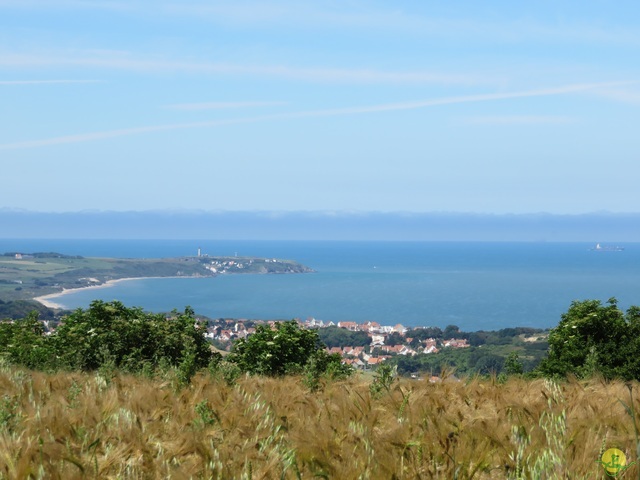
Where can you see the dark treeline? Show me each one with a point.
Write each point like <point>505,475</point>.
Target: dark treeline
<point>341,337</point>
<point>16,309</point>
<point>109,337</point>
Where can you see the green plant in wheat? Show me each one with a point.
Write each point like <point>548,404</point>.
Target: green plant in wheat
<point>383,379</point>
<point>8,413</point>
<point>224,371</point>
<point>207,416</point>
<point>547,461</point>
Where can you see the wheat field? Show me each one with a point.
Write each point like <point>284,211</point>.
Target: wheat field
<point>73,425</point>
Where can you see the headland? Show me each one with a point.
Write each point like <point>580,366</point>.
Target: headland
<point>46,276</point>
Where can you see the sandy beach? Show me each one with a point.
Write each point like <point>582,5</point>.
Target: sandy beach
<point>46,300</point>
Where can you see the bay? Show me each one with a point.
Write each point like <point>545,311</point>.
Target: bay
<point>473,285</point>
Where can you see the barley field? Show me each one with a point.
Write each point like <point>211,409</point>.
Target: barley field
<point>73,425</point>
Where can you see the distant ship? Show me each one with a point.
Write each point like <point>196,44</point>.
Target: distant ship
<point>607,248</point>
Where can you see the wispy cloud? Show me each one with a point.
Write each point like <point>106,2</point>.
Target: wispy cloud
<point>363,15</point>
<point>221,105</point>
<point>44,82</point>
<point>87,137</point>
<point>92,136</point>
<point>487,97</point>
<point>294,14</point>
<point>66,4</point>
<point>399,20</point>
<point>140,65</point>
<point>519,120</point>
<point>566,89</point>
<point>621,95</point>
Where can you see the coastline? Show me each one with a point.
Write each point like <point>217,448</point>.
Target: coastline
<point>46,299</point>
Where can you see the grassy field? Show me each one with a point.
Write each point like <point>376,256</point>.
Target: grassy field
<point>22,279</point>
<point>66,426</point>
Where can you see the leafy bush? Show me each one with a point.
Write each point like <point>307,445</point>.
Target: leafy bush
<point>131,338</point>
<point>592,338</point>
<point>22,342</point>
<point>283,350</point>
<point>109,336</point>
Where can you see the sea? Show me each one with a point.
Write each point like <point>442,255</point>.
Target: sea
<point>473,285</point>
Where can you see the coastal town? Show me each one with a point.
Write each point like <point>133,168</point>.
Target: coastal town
<point>377,342</point>
<point>414,351</point>
<point>372,344</point>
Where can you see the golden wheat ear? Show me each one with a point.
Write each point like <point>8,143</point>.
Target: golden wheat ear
<point>74,425</point>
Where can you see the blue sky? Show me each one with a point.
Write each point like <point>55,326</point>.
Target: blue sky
<point>404,106</point>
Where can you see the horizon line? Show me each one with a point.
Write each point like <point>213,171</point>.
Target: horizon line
<point>319,212</point>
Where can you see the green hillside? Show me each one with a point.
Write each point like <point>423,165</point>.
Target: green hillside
<point>25,276</point>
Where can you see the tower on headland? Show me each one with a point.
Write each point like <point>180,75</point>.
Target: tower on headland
<point>199,252</point>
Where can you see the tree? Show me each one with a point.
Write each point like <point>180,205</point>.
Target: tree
<point>488,364</point>
<point>22,342</point>
<point>450,331</point>
<point>282,350</point>
<point>393,339</point>
<point>513,365</point>
<point>418,335</point>
<point>129,338</point>
<point>423,333</point>
<point>477,338</point>
<point>595,338</point>
<point>341,337</point>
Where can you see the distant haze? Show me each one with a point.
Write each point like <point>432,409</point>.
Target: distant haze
<point>260,225</point>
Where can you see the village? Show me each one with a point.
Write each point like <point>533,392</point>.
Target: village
<point>383,341</point>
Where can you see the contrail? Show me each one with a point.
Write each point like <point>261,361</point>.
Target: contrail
<point>44,82</point>
<point>486,97</point>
